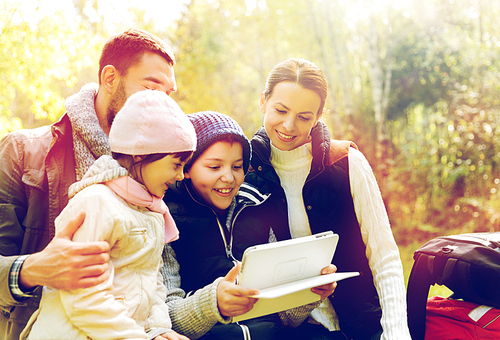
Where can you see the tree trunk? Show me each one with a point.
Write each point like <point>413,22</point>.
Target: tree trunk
<point>379,94</point>
<point>338,65</point>
<point>338,130</point>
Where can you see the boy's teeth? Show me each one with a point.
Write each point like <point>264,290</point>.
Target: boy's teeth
<point>224,191</point>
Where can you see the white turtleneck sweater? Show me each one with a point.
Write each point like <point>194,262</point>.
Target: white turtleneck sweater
<point>292,168</point>
<point>382,252</point>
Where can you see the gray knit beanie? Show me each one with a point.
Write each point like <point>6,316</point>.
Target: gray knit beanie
<point>210,127</point>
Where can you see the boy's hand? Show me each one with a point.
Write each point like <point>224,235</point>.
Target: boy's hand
<point>65,264</point>
<point>171,336</point>
<point>234,300</point>
<point>326,290</point>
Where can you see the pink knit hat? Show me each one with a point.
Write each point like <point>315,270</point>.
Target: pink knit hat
<point>151,122</point>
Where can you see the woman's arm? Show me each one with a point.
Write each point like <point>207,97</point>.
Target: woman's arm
<point>381,249</point>
<point>295,316</point>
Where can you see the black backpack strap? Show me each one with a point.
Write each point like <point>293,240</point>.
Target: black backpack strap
<point>417,292</point>
<point>463,282</point>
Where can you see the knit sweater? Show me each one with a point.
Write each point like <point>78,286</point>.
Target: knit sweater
<point>381,249</point>
<point>382,252</point>
<point>292,168</point>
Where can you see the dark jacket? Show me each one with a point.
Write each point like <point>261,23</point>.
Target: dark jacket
<point>206,251</point>
<point>203,252</point>
<point>36,170</point>
<point>329,206</point>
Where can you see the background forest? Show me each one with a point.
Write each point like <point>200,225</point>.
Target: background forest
<point>414,83</point>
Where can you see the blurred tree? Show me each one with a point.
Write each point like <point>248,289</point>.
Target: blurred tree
<point>447,169</point>
<point>418,77</point>
<point>90,16</point>
<point>225,50</point>
<point>40,64</point>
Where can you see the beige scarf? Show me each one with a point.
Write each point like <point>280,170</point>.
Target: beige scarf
<point>89,140</point>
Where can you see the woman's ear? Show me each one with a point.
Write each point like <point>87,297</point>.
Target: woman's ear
<point>262,103</point>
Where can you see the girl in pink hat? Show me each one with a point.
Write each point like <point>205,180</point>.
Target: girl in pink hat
<point>151,139</point>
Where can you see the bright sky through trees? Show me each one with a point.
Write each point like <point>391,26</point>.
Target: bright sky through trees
<point>161,12</point>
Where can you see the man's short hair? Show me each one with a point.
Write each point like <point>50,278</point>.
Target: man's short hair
<point>126,49</point>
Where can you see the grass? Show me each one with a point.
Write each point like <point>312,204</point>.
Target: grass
<point>412,228</point>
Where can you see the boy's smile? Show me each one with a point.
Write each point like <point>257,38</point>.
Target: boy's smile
<point>217,174</point>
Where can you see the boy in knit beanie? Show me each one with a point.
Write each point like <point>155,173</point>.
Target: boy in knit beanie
<point>215,211</point>
<point>225,156</point>
<point>213,126</point>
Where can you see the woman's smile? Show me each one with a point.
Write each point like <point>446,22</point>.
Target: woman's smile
<point>284,137</point>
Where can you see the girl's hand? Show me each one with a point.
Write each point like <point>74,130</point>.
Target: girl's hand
<point>171,336</point>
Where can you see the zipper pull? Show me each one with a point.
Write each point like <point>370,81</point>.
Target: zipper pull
<point>144,235</point>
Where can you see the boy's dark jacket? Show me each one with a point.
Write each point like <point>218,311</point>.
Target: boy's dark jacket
<point>329,206</point>
<point>203,257</point>
<point>201,251</point>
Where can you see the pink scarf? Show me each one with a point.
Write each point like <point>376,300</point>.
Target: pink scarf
<point>132,192</point>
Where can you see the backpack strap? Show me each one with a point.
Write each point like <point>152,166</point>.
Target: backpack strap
<point>447,271</point>
<point>339,149</point>
<point>418,289</point>
<point>463,281</point>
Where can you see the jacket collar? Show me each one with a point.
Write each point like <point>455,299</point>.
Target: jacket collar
<point>104,169</point>
<point>247,194</point>
<point>61,129</point>
<point>320,147</point>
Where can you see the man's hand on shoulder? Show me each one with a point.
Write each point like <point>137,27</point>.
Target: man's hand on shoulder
<point>65,264</point>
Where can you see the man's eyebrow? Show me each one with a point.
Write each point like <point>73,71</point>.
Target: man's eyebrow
<point>153,79</point>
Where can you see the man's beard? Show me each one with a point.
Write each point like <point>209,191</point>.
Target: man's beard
<point>116,102</point>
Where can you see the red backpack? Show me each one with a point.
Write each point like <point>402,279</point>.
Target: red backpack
<point>449,319</point>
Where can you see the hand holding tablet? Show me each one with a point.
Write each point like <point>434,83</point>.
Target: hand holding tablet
<point>285,271</point>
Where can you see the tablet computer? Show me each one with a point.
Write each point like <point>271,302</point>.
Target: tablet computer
<point>285,271</point>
